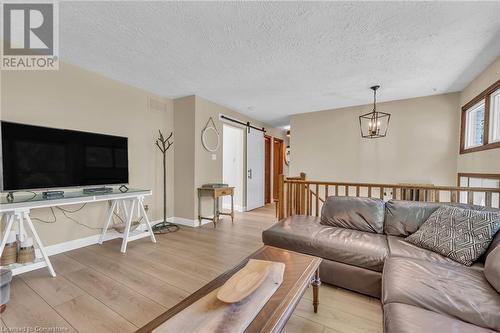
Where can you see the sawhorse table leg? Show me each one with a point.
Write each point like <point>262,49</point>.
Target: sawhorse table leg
<point>21,217</point>
<point>129,210</point>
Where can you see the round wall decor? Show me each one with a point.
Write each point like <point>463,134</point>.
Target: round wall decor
<point>210,137</point>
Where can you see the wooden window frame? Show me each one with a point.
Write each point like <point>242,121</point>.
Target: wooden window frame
<point>486,96</point>
<point>477,175</point>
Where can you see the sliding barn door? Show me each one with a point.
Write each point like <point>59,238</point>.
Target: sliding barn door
<point>255,169</point>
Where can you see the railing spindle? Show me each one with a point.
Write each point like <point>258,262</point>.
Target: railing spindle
<point>487,199</point>
<point>302,199</point>
<point>317,199</point>
<point>308,206</point>
<point>280,203</point>
<point>289,201</point>
<point>309,200</point>
<point>453,196</point>
<point>470,197</point>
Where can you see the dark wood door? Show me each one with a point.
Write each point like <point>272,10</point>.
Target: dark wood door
<point>278,159</point>
<point>267,169</point>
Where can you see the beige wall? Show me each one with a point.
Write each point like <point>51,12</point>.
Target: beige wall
<point>206,170</point>
<point>77,99</point>
<point>184,157</point>
<point>421,145</point>
<point>487,161</point>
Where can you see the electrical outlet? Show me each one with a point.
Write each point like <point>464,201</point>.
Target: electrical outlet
<point>214,157</point>
<point>146,207</point>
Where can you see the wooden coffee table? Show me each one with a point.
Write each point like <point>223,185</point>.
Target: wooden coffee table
<point>300,271</point>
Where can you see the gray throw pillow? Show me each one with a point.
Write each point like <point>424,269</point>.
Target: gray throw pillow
<point>462,235</point>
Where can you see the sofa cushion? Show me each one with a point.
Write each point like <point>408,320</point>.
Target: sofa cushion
<point>452,290</point>
<point>492,268</point>
<point>363,214</point>
<point>494,244</point>
<point>402,218</point>
<point>305,234</point>
<point>353,247</point>
<point>403,318</point>
<point>459,234</point>
<point>295,233</point>
<point>398,247</point>
<point>351,277</point>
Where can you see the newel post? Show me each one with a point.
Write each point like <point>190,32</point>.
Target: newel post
<point>303,195</point>
<point>281,199</point>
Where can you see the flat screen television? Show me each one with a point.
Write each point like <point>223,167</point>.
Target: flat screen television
<point>35,157</point>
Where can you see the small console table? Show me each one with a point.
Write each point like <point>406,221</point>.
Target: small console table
<point>215,193</point>
<point>18,210</point>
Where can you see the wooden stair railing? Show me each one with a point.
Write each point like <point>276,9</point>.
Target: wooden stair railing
<point>282,178</point>
<point>298,196</point>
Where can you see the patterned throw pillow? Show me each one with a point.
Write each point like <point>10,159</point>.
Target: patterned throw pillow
<point>460,234</point>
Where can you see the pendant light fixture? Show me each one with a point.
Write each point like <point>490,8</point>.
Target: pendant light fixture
<point>374,124</point>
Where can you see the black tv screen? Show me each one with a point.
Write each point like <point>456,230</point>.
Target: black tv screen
<point>35,157</point>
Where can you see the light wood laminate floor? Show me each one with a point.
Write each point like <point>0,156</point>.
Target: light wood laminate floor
<point>98,289</point>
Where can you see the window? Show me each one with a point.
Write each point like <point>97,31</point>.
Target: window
<point>495,116</point>
<point>474,131</point>
<point>480,128</point>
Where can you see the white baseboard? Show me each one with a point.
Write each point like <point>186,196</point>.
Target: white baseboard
<point>72,245</point>
<point>111,234</point>
<point>85,241</point>
<point>237,208</point>
<point>187,222</point>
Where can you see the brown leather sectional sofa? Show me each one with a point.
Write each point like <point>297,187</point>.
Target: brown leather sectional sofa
<point>421,291</point>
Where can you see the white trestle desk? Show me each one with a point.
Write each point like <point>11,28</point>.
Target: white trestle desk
<point>16,213</point>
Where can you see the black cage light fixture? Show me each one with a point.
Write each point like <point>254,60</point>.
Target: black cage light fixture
<point>374,124</point>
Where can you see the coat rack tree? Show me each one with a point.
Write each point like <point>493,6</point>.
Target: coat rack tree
<point>164,227</point>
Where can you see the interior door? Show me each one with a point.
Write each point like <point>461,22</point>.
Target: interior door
<point>255,169</point>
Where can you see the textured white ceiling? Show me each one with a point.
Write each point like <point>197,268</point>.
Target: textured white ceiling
<point>273,59</point>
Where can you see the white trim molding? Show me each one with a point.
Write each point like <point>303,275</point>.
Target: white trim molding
<point>187,222</point>
<point>87,241</point>
<point>112,234</point>
<point>237,208</point>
